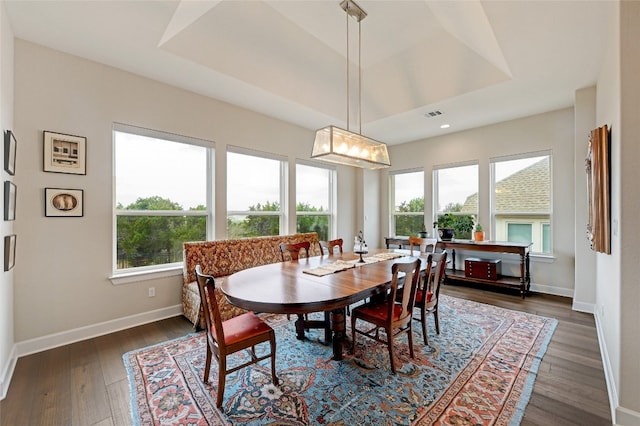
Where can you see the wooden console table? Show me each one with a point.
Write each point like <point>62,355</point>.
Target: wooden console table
<point>522,249</point>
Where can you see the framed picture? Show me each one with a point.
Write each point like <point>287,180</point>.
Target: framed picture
<point>65,153</point>
<point>59,202</point>
<point>10,146</point>
<point>9,200</point>
<point>9,251</point>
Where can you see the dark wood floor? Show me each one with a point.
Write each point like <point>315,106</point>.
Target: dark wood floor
<point>85,383</point>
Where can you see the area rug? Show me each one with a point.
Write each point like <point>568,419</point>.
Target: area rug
<point>479,371</point>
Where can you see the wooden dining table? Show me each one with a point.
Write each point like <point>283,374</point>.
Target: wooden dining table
<point>284,288</point>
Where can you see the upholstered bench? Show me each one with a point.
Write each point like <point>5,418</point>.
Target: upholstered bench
<point>225,257</point>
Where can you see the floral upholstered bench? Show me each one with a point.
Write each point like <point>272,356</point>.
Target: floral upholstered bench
<point>225,257</point>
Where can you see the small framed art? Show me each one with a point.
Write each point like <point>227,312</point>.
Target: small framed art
<point>59,202</point>
<point>65,153</point>
<point>10,146</point>
<point>9,200</point>
<point>9,251</point>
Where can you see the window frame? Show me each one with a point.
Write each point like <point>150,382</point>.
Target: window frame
<point>283,228</point>
<point>208,213</point>
<point>535,230</point>
<point>393,214</point>
<point>333,191</point>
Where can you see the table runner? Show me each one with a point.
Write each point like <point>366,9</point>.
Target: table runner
<point>342,265</point>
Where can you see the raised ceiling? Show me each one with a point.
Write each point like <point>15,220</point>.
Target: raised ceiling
<point>477,62</point>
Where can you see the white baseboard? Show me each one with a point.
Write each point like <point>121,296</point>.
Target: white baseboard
<point>7,372</point>
<point>608,371</point>
<point>589,308</point>
<point>556,291</point>
<point>626,417</point>
<point>44,343</point>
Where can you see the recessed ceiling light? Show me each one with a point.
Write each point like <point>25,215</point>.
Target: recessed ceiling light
<point>445,126</point>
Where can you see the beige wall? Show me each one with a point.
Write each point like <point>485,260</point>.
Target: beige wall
<point>550,131</point>
<point>7,358</point>
<point>63,291</point>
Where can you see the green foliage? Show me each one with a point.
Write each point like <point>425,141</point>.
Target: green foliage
<point>154,240</point>
<point>414,205</point>
<point>461,224</point>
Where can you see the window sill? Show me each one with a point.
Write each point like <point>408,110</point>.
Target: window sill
<point>132,277</point>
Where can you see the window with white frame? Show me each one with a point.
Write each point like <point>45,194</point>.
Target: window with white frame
<point>255,194</point>
<point>455,198</point>
<point>406,191</point>
<point>161,186</point>
<point>315,200</point>
<point>521,202</point>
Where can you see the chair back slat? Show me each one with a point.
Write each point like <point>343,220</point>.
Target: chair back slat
<point>407,292</point>
<point>328,247</point>
<point>211,310</point>
<point>293,250</point>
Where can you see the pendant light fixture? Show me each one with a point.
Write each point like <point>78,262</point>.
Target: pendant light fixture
<point>342,146</point>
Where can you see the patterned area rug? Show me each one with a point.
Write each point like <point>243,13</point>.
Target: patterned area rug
<point>479,371</point>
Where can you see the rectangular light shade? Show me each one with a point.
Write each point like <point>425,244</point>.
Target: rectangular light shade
<point>341,146</point>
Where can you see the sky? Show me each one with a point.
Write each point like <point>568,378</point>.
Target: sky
<point>255,179</point>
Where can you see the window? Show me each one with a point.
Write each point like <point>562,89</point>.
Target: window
<point>407,203</point>
<point>161,189</point>
<point>315,200</point>
<point>456,198</point>
<point>521,204</point>
<point>255,190</point>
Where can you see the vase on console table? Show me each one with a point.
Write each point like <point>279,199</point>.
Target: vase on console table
<point>446,234</point>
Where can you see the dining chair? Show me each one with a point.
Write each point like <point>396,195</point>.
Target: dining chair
<point>328,247</point>
<point>428,293</point>
<point>293,250</point>
<point>393,314</point>
<point>224,338</point>
<point>429,244</point>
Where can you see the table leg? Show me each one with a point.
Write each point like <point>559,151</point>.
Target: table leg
<point>300,327</point>
<point>523,283</point>
<point>338,326</point>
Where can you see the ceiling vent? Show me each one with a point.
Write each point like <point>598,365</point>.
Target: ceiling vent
<point>433,114</point>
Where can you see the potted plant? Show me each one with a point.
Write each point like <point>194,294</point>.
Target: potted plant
<point>478,234</point>
<point>446,223</point>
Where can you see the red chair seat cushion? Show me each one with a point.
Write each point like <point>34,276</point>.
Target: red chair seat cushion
<point>242,327</point>
<point>377,313</point>
<point>419,296</point>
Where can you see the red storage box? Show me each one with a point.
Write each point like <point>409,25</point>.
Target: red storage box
<point>488,269</point>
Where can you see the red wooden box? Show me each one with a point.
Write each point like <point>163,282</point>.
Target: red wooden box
<point>488,269</point>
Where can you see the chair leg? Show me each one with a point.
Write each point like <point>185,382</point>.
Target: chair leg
<point>353,335</point>
<point>435,316</point>
<point>410,333</point>
<point>207,365</point>
<point>222,375</point>
<point>423,320</point>
<point>390,346</point>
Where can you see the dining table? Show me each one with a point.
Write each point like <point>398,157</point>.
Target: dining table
<point>327,283</point>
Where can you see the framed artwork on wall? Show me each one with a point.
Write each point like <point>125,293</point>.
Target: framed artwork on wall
<point>10,146</point>
<point>9,251</point>
<point>64,153</point>
<point>10,190</point>
<point>59,202</point>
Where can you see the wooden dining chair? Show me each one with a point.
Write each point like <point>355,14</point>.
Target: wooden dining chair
<point>393,314</point>
<point>224,338</point>
<point>428,293</point>
<point>293,250</point>
<point>429,244</point>
<point>328,247</point>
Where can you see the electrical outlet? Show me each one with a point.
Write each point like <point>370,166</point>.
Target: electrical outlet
<point>152,291</point>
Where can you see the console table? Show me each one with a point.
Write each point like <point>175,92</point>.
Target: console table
<point>523,282</point>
